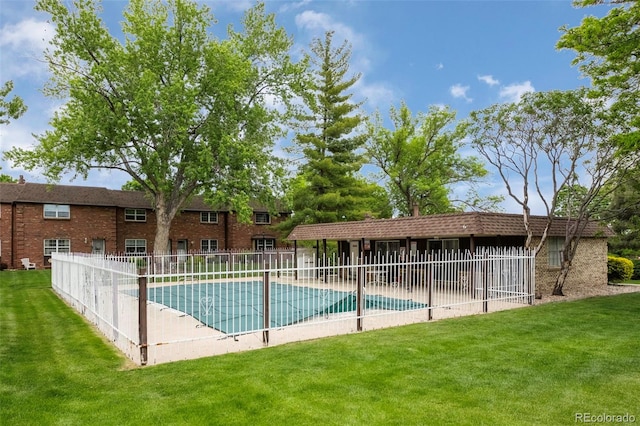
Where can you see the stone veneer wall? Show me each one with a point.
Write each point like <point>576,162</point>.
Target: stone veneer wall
<point>588,271</point>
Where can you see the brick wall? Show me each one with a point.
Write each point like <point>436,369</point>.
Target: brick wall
<point>5,234</point>
<point>26,225</point>
<point>31,229</point>
<point>589,267</point>
<point>241,235</point>
<point>185,226</point>
<point>229,233</point>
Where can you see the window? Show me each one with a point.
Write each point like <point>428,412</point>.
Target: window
<point>135,246</point>
<point>554,251</point>
<point>449,244</point>
<point>59,246</point>
<point>388,247</point>
<point>135,215</point>
<point>57,211</point>
<point>209,217</point>
<point>265,244</point>
<point>208,245</point>
<point>263,218</point>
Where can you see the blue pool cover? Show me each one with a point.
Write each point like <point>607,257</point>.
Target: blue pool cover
<point>237,307</point>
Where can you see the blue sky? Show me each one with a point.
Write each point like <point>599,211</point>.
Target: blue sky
<point>464,54</point>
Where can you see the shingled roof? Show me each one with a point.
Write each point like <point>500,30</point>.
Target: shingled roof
<point>93,196</point>
<point>55,194</point>
<point>441,225</point>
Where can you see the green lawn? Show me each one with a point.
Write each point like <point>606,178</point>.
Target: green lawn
<point>536,365</point>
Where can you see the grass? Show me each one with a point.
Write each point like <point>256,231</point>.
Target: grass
<point>537,365</point>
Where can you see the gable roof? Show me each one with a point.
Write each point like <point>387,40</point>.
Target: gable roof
<point>40,193</point>
<point>441,225</point>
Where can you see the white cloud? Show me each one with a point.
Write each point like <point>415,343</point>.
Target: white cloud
<point>29,34</point>
<point>21,44</point>
<point>460,91</point>
<point>488,79</point>
<point>236,5</point>
<point>318,23</point>
<point>513,92</point>
<point>439,66</point>
<point>378,95</point>
<point>293,5</point>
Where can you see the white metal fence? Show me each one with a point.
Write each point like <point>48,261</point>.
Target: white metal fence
<point>165,308</point>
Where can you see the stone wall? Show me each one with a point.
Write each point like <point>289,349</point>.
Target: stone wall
<point>588,270</point>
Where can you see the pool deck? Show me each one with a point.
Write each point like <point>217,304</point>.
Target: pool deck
<point>173,335</point>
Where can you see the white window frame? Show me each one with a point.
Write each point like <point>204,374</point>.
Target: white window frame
<point>56,245</point>
<point>554,251</point>
<point>56,211</point>
<point>208,243</point>
<point>263,218</point>
<point>263,244</point>
<point>135,215</point>
<point>135,244</point>
<point>208,217</point>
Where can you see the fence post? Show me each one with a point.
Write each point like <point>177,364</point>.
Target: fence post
<point>142,315</point>
<point>485,284</point>
<point>266,299</point>
<point>360,294</point>
<point>430,288</point>
<point>114,303</point>
<point>531,274</point>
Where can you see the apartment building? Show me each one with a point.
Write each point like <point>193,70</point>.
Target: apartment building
<point>39,219</point>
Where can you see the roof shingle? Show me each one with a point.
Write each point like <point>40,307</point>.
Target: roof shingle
<point>441,225</point>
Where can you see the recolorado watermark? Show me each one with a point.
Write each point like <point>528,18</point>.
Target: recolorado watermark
<point>604,418</point>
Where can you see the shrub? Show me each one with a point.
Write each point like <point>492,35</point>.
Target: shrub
<point>619,269</point>
<point>3,266</point>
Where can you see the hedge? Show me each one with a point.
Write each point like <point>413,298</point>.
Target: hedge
<point>619,269</point>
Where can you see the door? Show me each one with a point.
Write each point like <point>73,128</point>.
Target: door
<point>183,246</point>
<point>98,246</point>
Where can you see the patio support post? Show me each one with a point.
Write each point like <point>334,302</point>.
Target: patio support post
<point>317,258</point>
<point>324,259</point>
<point>295,260</point>
<point>266,298</point>
<point>142,315</point>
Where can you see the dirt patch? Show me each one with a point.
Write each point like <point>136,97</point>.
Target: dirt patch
<point>582,293</point>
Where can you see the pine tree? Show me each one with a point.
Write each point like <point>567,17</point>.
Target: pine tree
<point>328,188</point>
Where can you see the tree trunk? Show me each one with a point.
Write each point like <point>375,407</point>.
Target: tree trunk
<point>560,279</point>
<point>165,212</point>
<point>161,242</point>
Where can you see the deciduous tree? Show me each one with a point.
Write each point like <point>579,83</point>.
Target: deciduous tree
<point>168,103</point>
<point>607,50</point>
<point>546,144</point>
<point>420,161</point>
<point>10,109</point>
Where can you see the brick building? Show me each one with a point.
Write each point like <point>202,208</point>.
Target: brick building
<point>38,219</point>
<point>467,231</point>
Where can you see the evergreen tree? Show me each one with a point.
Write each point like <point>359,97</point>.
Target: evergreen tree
<point>328,188</point>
